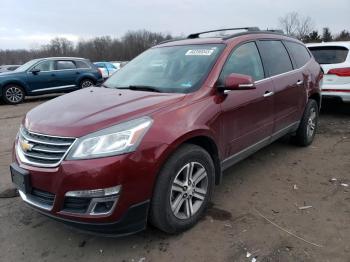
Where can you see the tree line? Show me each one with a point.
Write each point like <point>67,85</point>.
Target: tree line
<point>103,48</point>
<point>106,48</point>
<point>303,28</point>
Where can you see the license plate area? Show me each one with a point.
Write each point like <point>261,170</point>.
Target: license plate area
<point>21,178</point>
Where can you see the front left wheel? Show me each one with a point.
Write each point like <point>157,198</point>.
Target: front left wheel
<point>183,189</point>
<point>13,94</point>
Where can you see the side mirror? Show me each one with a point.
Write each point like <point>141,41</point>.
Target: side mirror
<point>238,82</point>
<point>35,71</point>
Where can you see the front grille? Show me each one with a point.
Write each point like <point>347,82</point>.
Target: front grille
<point>42,197</point>
<point>76,204</point>
<point>42,150</point>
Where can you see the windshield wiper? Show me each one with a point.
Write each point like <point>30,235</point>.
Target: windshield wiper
<point>141,88</point>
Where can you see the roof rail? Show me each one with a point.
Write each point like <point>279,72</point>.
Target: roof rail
<point>275,31</point>
<point>196,35</point>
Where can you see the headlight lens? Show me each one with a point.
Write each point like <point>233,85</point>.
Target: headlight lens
<point>115,140</point>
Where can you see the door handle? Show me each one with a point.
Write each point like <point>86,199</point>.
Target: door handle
<point>53,74</point>
<point>78,73</point>
<point>268,93</point>
<point>300,82</point>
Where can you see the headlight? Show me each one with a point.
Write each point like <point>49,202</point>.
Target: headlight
<point>115,140</point>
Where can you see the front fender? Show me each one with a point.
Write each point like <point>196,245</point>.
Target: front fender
<point>15,81</point>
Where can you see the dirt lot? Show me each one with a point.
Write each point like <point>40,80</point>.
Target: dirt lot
<point>261,186</point>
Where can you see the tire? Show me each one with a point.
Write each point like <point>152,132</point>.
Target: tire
<point>85,83</point>
<point>308,125</point>
<point>13,94</point>
<point>170,206</point>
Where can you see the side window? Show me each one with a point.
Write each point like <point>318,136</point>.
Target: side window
<point>244,60</point>
<point>81,64</point>
<point>299,53</point>
<point>275,57</point>
<point>62,65</point>
<point>44,66</point>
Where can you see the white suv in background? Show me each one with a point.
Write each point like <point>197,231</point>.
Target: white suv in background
<point>334,58</point>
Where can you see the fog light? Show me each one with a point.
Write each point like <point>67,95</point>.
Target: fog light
<point>103,207</point>
<point>95,192</point>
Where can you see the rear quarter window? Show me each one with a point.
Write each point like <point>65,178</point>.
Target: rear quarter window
<point>329,54</point>
<point>275,57</point>
<point>82,64</point>
<point>299,53</point>
<point>64,65</point>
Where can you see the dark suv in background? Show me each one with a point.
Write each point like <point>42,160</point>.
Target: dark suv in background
<point>48,75</point>
<point>165,127</point>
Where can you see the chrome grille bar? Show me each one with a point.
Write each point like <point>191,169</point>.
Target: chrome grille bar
<point>42,150</point>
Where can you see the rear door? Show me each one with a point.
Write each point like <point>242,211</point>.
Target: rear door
<point>288,83</point>
<point>247,114</point>
<point>66,74</point>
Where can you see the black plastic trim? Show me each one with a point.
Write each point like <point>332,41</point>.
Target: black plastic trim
<point>134,220</point>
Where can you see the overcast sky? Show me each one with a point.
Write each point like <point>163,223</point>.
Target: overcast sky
<point>31,23</point>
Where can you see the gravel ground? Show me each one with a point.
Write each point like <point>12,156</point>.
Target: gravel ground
<point>256,210</point>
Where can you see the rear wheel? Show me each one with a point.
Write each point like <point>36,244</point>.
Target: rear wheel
<point>13,94</point>
<point>183,189</point>
<point>86,83</point>
<point>308,125</point>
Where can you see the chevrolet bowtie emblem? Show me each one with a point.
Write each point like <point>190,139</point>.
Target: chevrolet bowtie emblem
<point>26,146</point>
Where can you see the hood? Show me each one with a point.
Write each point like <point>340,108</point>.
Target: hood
<point>91,109</point>
<point>10,74</point>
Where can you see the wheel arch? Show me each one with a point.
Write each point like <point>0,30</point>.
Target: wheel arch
<point>317,97</point>
<point>200,138</point>
<point>17,83</point>
<point>89,77</point>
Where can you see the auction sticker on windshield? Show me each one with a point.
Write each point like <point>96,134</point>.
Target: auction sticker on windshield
<point>206,52</point>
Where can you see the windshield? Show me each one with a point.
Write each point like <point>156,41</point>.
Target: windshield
<point>175,69</point>
<point>26,66</point>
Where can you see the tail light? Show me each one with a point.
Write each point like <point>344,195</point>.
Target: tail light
<point>100,71</point>
<point>340,71</point>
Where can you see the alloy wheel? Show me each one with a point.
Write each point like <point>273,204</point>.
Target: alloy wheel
<point>14,94</point>
<point>311,124</point>
<point>86,83</point>
<point>189,190</point>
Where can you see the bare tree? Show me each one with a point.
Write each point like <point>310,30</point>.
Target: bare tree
<point>289,23</point>
<point>296,25</point>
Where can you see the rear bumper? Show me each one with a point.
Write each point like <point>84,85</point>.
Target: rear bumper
<point>344,96</point>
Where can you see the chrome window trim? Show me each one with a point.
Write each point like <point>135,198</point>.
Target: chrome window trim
<point>285,73</point>
<point>53,88</point>
<point>55,60</point>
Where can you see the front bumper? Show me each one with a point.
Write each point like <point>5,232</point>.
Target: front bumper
<point>135,172</point>
<point>134,220</point>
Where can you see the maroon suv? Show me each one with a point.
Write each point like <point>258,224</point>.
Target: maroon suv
<point>151,143</point>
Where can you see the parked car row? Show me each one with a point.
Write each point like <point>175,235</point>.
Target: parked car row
<point>107,68</point>
<point>150,146</point>
<point>48,75</point>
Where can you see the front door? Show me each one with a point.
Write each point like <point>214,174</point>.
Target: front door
<point>41,77</point>
<point>247,114</point>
